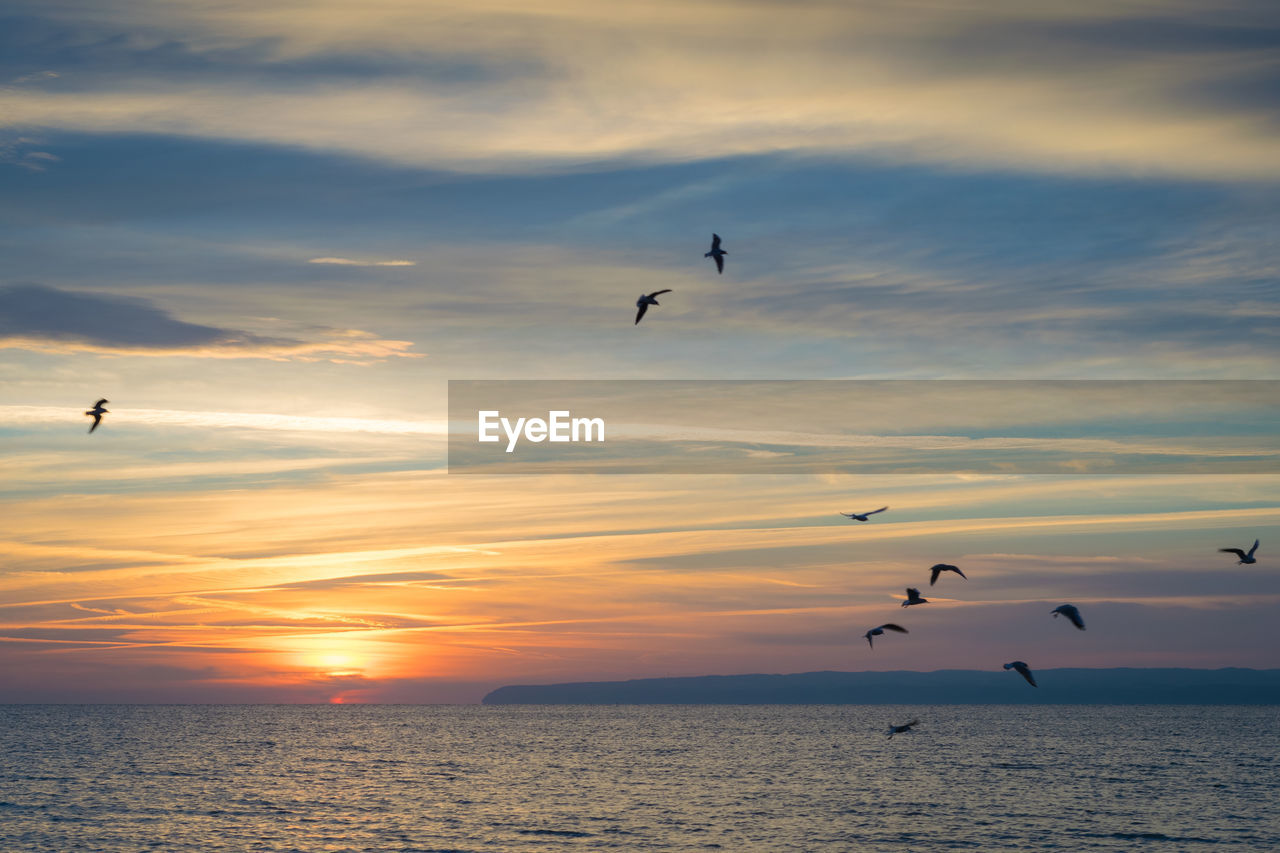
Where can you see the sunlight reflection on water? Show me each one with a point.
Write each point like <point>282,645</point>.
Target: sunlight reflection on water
<point>401,778</point>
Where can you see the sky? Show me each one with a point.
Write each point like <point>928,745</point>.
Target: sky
<point>271,234</point>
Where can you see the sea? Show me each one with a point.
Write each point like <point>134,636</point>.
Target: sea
<point>438,778</point>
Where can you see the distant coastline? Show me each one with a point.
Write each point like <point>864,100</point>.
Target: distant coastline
<point>1118,686</point>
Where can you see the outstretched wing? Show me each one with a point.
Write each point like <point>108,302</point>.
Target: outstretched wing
<point>715,242</point>
<point>97,419</point>
<point>100,402</point>
<point>1235,551</point>
<point>874,511</point>
<point>644,306</point>
<point>659,293</point>
<point>891,627</point>
<point>1254,548</point>
<point>720,264</point>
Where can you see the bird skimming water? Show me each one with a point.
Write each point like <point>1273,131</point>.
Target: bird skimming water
<point>644,302</point>
<point>903,729</point>
<point>717,253</point>
<point>96,413</point>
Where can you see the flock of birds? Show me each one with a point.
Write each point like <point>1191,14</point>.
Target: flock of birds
<point>1070,611</point>
<point>646,299</point>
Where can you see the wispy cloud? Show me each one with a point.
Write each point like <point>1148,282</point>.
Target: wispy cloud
<point>47,319</point>
<point>348,262</point>
<point>987,84</point>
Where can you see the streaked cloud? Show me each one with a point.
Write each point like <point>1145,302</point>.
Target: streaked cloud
<point>348,262</point>
<point>47,319</point>
<point>991,84</point>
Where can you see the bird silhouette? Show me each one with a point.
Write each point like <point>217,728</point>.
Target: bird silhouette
<point>1023,670</point>
<point>913,597</point>
<point>903,729</point>
<point>1071,612</point>
<point>862,516</point>
<point>97,412</point>
<point>876,632</point>
<point>1245,559</point>
<point>939,568</point>
<point>717,253</point>
<point>644,302</point>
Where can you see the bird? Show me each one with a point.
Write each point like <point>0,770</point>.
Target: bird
<point>939,568</point>
<point>644,302</point>
<point>1071,612</point>
<point>1023,670</point>
<point>876,632</point>
<point>1245,559</point>
<point>717,253</point>
<point>903,729</point>
<point>913,597</point>
<point>97,412</point>
<point>862,516</point>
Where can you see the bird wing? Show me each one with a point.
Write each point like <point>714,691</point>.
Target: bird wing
<point>874,511</point>
<point>720,264</point>
<point>100,402</point>
<point>97,419</point>
<point>912,592</point>
<point>897,628</point>
<point>644,306</point>
<point>847,514</point>
<point>715,242</point>
<point>1254,548</point>
<point>1074,616</point>
<point>1236,551</point>
<point>659,292</point>
<point>933,574</point>
<point>1026,673</point>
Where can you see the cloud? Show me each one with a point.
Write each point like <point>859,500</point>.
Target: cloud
<point>989,84</point>
<point>348,262</point>
<point>48,319</point>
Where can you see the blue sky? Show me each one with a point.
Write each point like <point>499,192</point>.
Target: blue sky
<point>271,233</point>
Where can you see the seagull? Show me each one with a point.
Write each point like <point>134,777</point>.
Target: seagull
<point>856,516</point>
<point>876,632</point>
<point>939,568</point>
<point>97,412</point>
<point>1023,670</point>
<point>644,302</point>
<point>1245,559</point>
<point>913,597</point>
<point>1071,612</point>
<point>898,730</point>
<point>717,253</point>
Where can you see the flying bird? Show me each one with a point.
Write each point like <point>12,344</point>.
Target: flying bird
<point>1071,612</point>
<point>862,516</point>
<point>898,730</point>
<point>939,568</point>
<point>1023,670</point>
<point>644,302</point>
<point>717,253</point>
<point>913,597</point>
<point>1245,559</point>
<point>876,632</point>
<point>97,412</point>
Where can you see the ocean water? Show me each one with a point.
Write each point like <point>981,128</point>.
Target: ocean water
<point>741,778</point>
